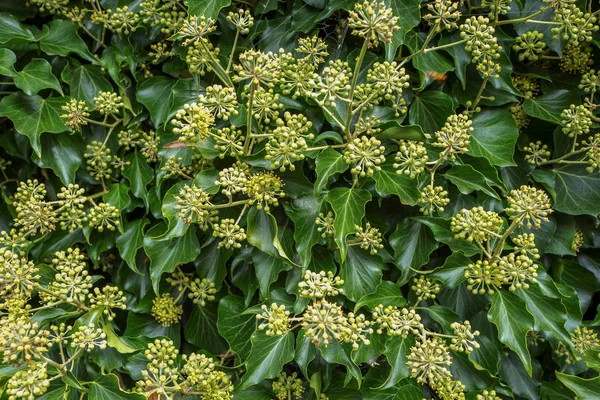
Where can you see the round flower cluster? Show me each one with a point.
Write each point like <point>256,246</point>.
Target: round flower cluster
<point>455,136</point>
<point>317,285</point>
<point>528,204</point>
<point>373,21</point>
<point>530,46</point>
<point>365,154</point>
<point>443,14</point>
<point>411,158</point>
<point>538,153</point>
<point>476,224</point>
<point>165,310</point>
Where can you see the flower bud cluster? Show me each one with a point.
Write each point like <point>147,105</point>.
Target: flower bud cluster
<point>373,21</point>
<point>317,285</point>
<point>220,101</point>
<point>193,203</point>
<point>476,225</point>
<point>201,291</point>
<point>576,59</point>
<point>315,49</point>
<point>576,120</point>
<point>324,224</point>
<point>258,68</point>
<point>88,337</point>
<point>433,198</point>
<point>365,154</point>
<point>288,387</point>
<point>573,25</point>
<point>275,319</point>
<point>107,300</point>
<point>590,81</point>
<point>482,44</point>
<point>369,238</point>
<point>333,83</point>
<point>193,123</point>
<point>411,158</point>
<point>17,275</point>
<point>528,204</point>
<point>108,103</point>
<point>231,235</point>
<point>165,310</point>
<point>242,20</point>
<point>396,322</point>
<point>455,136</point>
<point>388,81</point>
<point>264,189</point>
<point>288,141</point>
<point>29,383</point>
<point>443,15</point>
<point>76,112</point>
<point>465,338</point>
<point>200,375</point>
<point>104,216</point>
<point>538,153</point>
<point>530,46</point>
<point>424,288</point>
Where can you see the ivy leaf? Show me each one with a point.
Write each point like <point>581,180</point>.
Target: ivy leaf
<point>235,326</point>
<point>165,255</point>
<point>336,353</point>
<point>208,8</point>
<point>468,180</point>
<point>33,115</point>
<point>583,388</point>
<point>452,273</point>
<point>576,191</point>
<point>267,269</point>
<point>107,387</point>
<point>430,110</point>
<point>388,182</point>
<point>304,212</point>
<point>37,75</point>
<point>60,38</point>
<point>85,81</point>
<point>63,154</point>
<point>408,17</point>
<point>156,94</point>
<point>397,349</point>
<point>412,242</point>
<point>548,312</point>
<point>494,137</point>
<point>11,29</point>
<point>262,232</point>
<point>118,196</point>
<point>7,61</point>
<point>201,329</point>
<point>268,356</point>
<point>139,174</point>
<point>328,163</point>
<point>549,106</point>
<point>361,273</point>
<point>386,294</point>
<point>131,241</point>
<point>349,208</point>
<point>405,132</point>
<point>508,312</point>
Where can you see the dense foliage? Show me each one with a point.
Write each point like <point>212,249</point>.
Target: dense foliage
<point>316,199</point>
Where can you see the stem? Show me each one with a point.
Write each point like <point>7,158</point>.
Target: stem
<point>522,19</point>
<point>230,63</point>
<point>113,125</point>
<point>217,67</point>
<point>536,21</point>
<point>359,62</point>
<point>333,146</point>
<point>237,221</point>
<point>444,46</point>
<point>96,195</point>
<point>226,205</point>
<point>500,245</point>
<point>559,159</point>
<point>249,119</point>
<point>337,121</point>
<point>90,34</point>
<point>481,89</point>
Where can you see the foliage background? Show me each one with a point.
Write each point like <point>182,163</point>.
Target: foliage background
<point>46,60</point>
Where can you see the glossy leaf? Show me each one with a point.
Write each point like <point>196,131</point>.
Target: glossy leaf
<point>37,75</point>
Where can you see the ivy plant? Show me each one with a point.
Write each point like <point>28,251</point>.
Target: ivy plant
<point>299,199</point>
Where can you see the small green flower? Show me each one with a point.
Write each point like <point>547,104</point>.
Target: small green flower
<point>165,310</point>
<point>373,21</point>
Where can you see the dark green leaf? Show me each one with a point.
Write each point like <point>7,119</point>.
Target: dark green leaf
<point>576,191</point>
<point>37,75</point>
<point>468,180</point>
<point>494,136</point>
<point>131,241</point>
<point>201,329</point>
<point>12,29</point>
<point>234,326</point>
<point>208,8</point>
<point>549,105</point>
<point>7,61</point>
<point>386,294</point>
<point>139,174</point>
<point>412,242</point>
<point>442,233</point>
<point>328,163</point>
<point>584,388</point>
<point>388,182</point>
<point>85,81</point>
<point>156,94</point>
<point>118,196</point>
<point>33,115</point>
<point>63,154</point>
<point>430,110</point>
<point>349,208</point>
<point>361,273</point>
<point>304,212</point>
<point>60,38</point>
<point>107,387</point>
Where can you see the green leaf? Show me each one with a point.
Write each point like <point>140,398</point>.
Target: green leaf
<point>442,233</point>
<point>165,255</point>
<point>7,62</point>
<point>60,38</point>
<point>336,353</point>
<point>267,269</point>
<point>412,242</point>
<point>107,387</point>
<point>388,182</point>
<point>400,392</point>
<point>430,110</point>
<point>33,115</point>
<point>397,349</point>
<point>208,8</point>
<point>494,136</point>
<point>85,81</point>
<point>349,208</point>
<point>304,212</point>
<point>37,75</point>
<point>548,106</point>
<point>234,326</point>
<point>468,180</point>
<point>408,17</point>
<point>361,273</point>
<point>452,273</point>
<point>11,29</point>
<point>585,389</point>
<point>262,233</point>
<point>118,196</point>
<point>156,94</point>
<point>386,294</point>
<point>131,241</point>
<point>508,312</point>
<point>577,192</point>
<point>139,174</point>
<point>432,61</point>
<point>328,163</point>
<point>63,154</point>
<point>404,132</point>
<point>201,329</point>
<point>268,356</point>
<point>548,312</point>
